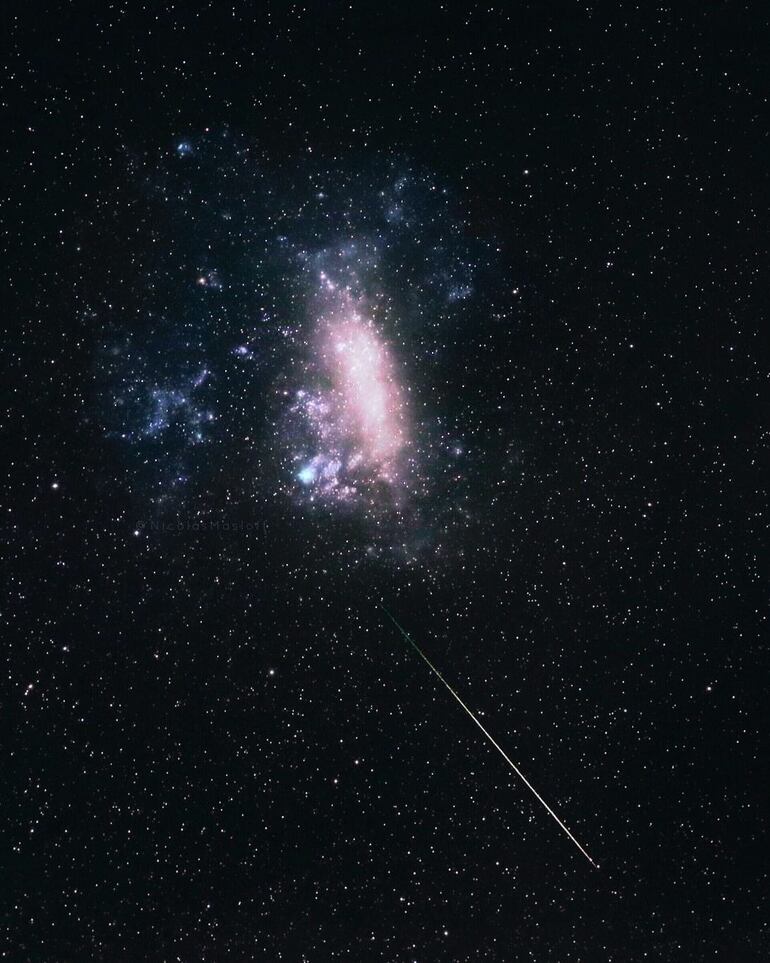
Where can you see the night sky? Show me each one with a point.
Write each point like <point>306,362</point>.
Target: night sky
<point>454,309</point>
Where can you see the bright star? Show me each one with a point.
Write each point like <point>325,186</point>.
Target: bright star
<point>306,475</point>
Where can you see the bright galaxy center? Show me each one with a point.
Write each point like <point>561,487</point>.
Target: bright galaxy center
<point>351,405</point>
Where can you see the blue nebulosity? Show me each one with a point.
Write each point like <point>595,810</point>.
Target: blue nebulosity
<point>306,475</point>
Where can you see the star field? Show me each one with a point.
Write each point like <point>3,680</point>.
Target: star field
<point>311,309</point>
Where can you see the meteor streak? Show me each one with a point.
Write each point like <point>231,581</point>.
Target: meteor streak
<point>513,766</point>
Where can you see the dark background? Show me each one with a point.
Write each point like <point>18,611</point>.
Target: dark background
<point>163,795</point>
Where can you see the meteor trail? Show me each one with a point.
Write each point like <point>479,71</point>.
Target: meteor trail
<point>513,766</point>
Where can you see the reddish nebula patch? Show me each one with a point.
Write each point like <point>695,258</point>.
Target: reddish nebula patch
<point>353,404</point>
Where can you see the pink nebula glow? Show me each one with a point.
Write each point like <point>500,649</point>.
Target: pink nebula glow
<point>352,405</point>
<point>365,387</point>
